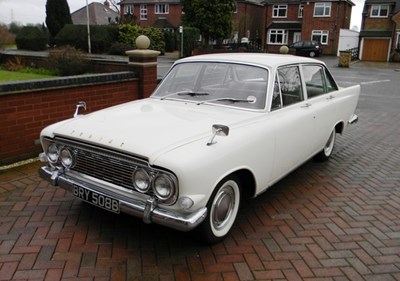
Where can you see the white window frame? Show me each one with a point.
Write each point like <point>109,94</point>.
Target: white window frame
<point>161,9</point>
<point>276,9</point>
<point>326,9</point>
<point>143,11</point>
<point>128,9</point>
<point>301,11</point>
<point>278,32</point>
<point>397,40</point>
<point>322,34</point>
<point>378,9</point>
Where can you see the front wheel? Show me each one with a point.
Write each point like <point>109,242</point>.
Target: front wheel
<point>312,54</point>
<point>326,152</point>
<point>223,208</point>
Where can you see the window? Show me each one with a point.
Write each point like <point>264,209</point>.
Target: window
<point>128,9</point>
<point>279,11</point>
<point>301,11</point>
<point>322,9</point>
<point>143,12</point>
<point>162,9</point>
<point>379,11</point>
<point>398,40</point>
<point>277,36</point>
<point>320,36</point>
<point>318,81</point>
<point>287,88</point>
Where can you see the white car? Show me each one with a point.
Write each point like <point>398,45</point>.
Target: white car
<point>218,128</point>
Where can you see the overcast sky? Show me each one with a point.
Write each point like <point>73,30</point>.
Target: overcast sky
<point>34,11</point>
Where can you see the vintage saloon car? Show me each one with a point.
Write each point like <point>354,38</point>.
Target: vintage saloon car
<point>217,129</point>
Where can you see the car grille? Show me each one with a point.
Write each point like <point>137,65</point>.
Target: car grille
<point>107,165</point>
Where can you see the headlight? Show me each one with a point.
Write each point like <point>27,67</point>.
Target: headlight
<point>52,153</point>
<point>66,157</point>
<point>141,180</point>
<point>163,187</point>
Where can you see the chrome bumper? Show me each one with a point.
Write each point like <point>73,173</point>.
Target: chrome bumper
<point>148,211</point>
<point>353,119</point>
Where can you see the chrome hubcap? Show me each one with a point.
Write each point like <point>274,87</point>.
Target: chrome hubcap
<point>223,205</point>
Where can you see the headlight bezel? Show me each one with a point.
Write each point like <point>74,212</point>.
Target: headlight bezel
<point>155,175</point>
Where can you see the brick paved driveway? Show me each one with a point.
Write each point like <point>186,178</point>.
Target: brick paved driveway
<point>339,220</point>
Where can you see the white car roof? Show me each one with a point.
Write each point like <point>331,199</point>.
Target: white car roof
<point>268,60</point>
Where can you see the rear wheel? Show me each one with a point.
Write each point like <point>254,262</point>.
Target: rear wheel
<point>222,209</point>
<point>326,152</point>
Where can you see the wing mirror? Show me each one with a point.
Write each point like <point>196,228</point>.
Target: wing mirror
<point>79,105</point>
<point>218,130</point>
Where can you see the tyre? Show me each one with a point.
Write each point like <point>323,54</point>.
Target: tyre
<point>326,152</point>
<point>312,54</point>
<point>223,208</point>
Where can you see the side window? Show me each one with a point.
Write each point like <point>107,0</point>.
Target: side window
<point>276,96</point>
<point>290,85</point>
<point>318,80</point>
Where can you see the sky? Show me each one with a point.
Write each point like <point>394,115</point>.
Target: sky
<point>34,11</point>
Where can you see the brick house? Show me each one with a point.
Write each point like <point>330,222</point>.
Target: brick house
<point>271,23</point>
<point>288,21</point>
<point>165,14</point>
<point>380,29</point>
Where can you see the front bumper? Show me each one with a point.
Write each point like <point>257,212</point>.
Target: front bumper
<point>148,211</point>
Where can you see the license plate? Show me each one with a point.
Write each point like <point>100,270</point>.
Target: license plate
<point>99,200</point>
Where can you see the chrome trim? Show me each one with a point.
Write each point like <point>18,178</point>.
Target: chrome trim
<point>148,211</point>
<point>353,119</point>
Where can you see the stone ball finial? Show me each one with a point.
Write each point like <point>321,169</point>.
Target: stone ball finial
<point>142,42</point>
<point>284,50</point>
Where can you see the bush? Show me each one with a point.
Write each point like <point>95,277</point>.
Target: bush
<point>128,34</point>
<point>101,37</point>
<point>6,37</point>
<point>31,38</point>
<point>170,41</point>
<point>68,61</point>
<point>119,49</point>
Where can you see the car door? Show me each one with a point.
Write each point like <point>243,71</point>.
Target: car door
<point>293,121</point>
<point>321,92</point>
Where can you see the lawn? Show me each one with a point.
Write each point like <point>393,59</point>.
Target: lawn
<point>9,76</point>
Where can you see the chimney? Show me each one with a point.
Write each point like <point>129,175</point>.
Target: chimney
<point>107,4</point>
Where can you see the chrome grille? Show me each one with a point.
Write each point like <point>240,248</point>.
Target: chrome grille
<point>107,165</point>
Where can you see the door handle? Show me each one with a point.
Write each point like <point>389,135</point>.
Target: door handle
<point>306,105</point>
<point>330,97</point>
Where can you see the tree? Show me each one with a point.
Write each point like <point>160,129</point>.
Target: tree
<point>57,15</point>
<point>212,17</point>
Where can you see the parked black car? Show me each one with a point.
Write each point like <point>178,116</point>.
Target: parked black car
<point>309,48</point>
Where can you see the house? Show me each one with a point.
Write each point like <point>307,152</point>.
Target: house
<point>99,14</point>
<point>165,14</point>
<point>380,29</point>
<point>289,21</point>
<point>249,21</point>
<point>270,23</point>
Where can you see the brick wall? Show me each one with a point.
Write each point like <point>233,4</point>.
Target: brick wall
<point>27,107</point>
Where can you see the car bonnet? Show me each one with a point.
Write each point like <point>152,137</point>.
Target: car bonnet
<point>149,127</point>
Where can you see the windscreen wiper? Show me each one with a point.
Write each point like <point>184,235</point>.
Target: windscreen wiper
<point>186,93</point>
<point>232,100</point>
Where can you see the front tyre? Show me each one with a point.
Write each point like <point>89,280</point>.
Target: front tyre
<point>223,208</point>
<point>326,152</point>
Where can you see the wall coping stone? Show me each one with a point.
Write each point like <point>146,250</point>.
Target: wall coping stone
<point>65,82</point>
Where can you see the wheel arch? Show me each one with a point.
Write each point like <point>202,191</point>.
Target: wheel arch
<point>339,128</point>
<point>247,182</point>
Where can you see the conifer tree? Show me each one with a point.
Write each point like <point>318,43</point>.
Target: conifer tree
<point>57,15</point>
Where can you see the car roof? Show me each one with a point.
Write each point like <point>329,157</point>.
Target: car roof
<point>268,60</point>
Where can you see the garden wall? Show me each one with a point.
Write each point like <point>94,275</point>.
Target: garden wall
<point>27,107</point>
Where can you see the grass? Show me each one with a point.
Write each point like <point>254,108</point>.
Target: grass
<point>24,74</point>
